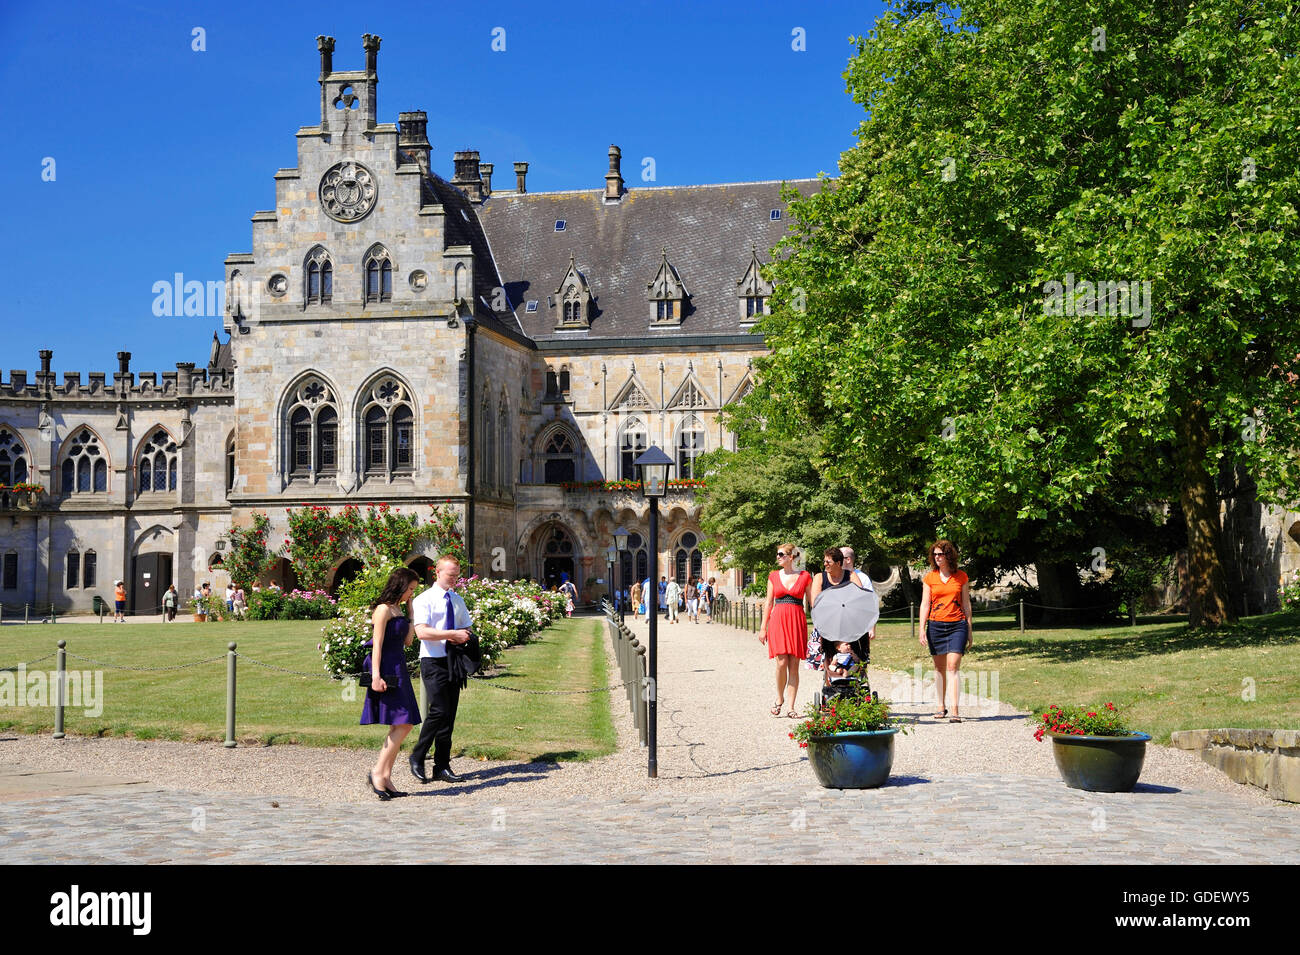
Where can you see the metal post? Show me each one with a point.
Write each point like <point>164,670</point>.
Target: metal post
<point>1022,615</point>
<point>911,618</point>
<point>652,603</point>
<point>52,619</point>
<point>230,696</point>
<point>27,613</point>
<point>60,690</point>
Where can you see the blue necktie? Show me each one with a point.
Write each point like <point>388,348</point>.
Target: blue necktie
<point>451,614</point>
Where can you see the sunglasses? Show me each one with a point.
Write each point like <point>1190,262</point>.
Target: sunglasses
<point>782,553</point>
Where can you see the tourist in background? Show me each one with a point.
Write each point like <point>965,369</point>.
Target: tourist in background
<point>672,594</point>
<point>636,600</point>
<point>119,602</point>
<point>946,624</point>
<point>784,628</point>
<point>170,599</point>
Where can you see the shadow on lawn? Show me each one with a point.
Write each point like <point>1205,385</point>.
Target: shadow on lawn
<point>1274,630</point>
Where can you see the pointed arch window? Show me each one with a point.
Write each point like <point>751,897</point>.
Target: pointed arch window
<point>312,430</point>
<point>504,470</point>
<point>379,275</point>
<point>635,561</point>
<point>320,278</point>
<point>88,574</point>
<point>84,468</point>
<point>632,443</point>
<point>687,558</point>
<point>387,430</point>
<point>157,463</point>
<point>487,441</point>
<point>13,459</point>
<point>74,569</point>
<point>230,463</point>
<point>690,445</point>
<point>559,458</point>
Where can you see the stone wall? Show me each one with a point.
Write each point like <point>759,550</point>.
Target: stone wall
<point>1267,759</point>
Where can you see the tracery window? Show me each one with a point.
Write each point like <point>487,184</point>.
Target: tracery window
<point>559,458</point>
<point>13,459</point>
<point>690,445</point>
<point>632,443</point>
<point>320,277</point>
<point>312,428</point>
<point>84,466</point>
<point>379,275</point>
<point>387,429</point>
<point>157,463</point>
<point>688,559</point>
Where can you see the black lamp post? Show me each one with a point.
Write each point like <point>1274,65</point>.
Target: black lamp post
<point>653,466</point>
<point>620,541</point>
<point>610,555</point>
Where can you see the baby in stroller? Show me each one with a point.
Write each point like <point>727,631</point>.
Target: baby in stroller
<point>844,664</point>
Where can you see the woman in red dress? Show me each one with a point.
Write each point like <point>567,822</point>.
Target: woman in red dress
<point>785,626</point>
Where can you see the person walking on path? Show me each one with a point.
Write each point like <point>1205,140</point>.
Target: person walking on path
<point>834,574</point>
<point>864,581</point>
<point>390,700</point>
<point>711,594</point>
<point>570,594</point>
<point>784,615</point>
<point>946,624</point>
<point>440,617</point>
<point>170,599</point>
<point>672,594</point>
<point>119,602</point>
<point>693,600</point>
<point>636,600</point>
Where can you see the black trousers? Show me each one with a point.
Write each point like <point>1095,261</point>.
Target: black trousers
<point>442,697</point>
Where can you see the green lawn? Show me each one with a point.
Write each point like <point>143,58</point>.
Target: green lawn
<point>275,707</point>
<point>1167,676</point>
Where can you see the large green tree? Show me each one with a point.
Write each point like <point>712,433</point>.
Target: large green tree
<point>947,286</point>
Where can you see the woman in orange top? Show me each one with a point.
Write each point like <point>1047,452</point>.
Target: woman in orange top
<point>946,623</point>
<point>119,602</point>
<point>787,595</point>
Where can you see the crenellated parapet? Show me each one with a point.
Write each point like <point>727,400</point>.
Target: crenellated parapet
<point>187,381</point>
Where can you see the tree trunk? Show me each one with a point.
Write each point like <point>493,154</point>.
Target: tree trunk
<point>1058,589</point>
<point>1208,603</point>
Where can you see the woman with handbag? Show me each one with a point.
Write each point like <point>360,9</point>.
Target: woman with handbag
<point>390,700</point>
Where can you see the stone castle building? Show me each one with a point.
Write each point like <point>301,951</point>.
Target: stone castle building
<point>398,337</point>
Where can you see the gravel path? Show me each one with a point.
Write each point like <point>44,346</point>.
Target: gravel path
<point>716,739</point>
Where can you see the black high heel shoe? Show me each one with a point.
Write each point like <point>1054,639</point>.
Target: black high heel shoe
<point>383,794</point>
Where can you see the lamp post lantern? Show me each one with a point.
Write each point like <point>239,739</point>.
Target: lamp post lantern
<point>620,541</point>
<point>653,467</point>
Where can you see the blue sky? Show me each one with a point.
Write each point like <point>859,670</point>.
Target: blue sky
<point>161,153</point>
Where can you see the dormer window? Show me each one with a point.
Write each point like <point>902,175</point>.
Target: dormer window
<point>667,295</point>
<point>575,299</point>
<point>379,276</point>
<point>753,291</point>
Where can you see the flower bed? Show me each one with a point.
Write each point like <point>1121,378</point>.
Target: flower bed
<point>682,485</point>
<point>294,605</point>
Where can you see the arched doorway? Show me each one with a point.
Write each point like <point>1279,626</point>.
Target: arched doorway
<point>558,557</point>
<point>283,575</point>
<point>688,560</point>
<point>347,570</point>
<point>151,571</point>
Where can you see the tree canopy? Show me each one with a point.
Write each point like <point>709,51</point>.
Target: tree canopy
<point>1052,293</point>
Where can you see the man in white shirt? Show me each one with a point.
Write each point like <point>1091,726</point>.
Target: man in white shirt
<point>440,617</point>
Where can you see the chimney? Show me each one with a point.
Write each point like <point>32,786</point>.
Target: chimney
<point>521,173</point>
<point>46,355</point>
<point>326,46</point>
<point>466,178</point>
<point>485,173</point>
<point>413,138</point>
<point>614,178</point>
<point>123,362</point>
<point>371,44</point>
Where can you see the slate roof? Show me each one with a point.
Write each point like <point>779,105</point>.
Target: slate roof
<point>709,232</point>
<point>464,228</point>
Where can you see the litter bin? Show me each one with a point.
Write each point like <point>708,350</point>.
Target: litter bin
<point>99,605</point>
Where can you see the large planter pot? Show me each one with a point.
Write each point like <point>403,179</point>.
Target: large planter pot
<point>1100,764</point>
<point>852,760</point>
<point>200,617</point>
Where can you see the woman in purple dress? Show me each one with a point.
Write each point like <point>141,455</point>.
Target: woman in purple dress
<point>390,699</point>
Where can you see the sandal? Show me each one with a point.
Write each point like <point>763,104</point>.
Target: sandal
<point>792,715</point>
<point>940,715</point>
<point>954,719</point>
<point>776,710</point>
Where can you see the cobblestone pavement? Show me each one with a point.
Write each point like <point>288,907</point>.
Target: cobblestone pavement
<point>732,787</point>
<point>986,819</point>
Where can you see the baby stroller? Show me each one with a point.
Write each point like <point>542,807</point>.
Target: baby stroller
<point>856,684</point>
